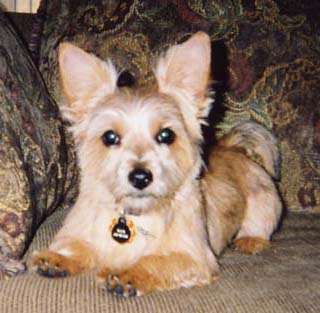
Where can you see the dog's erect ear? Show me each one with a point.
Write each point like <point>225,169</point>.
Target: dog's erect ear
<point>186,67</point>
<point>84,78</point>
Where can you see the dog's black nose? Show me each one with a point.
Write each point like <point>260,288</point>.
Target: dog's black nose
<point>140,178</point>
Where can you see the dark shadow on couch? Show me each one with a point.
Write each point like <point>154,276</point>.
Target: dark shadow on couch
<point>219,85</point>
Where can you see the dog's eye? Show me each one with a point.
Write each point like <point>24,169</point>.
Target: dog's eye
<point>166,135</point>
<point>110,138</point>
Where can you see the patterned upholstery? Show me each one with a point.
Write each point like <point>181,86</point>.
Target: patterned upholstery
<point>266,65</point>
<point>33,154</point>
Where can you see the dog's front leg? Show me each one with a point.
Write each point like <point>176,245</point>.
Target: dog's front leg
<point>72,257</point>
<point>156,272</point>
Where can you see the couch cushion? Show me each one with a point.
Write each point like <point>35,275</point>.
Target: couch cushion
<point>265,58</point>
<point>33,154</point>
<point>283,279</point>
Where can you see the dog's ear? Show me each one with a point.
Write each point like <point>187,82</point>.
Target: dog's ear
<point>186,68</point>
<point>84,78</point>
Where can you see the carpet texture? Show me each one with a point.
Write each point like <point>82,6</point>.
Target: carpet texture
<point>283,279</point>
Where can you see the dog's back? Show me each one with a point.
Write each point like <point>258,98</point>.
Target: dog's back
<point>241,198</point>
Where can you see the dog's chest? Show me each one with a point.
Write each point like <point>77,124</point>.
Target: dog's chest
<point>128,238</point>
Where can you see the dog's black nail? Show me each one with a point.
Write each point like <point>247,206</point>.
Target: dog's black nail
<point>63,274</point>
<point>40,271</point>
<point>51,272</point>
<point>108,286</point>
<point>132,292</point>
<point>118,290</point>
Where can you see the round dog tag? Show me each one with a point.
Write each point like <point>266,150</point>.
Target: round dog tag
<point>120,231</point>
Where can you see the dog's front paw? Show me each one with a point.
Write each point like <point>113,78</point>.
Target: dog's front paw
<point>120,286</point>
<point>51,264</point>
<point>127,283</point>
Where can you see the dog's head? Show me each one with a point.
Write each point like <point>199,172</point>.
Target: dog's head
<point>139,145</point>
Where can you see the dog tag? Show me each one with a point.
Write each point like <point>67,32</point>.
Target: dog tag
<point>120,231</point>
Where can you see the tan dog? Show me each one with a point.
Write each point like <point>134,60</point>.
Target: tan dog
<point>140,221</point>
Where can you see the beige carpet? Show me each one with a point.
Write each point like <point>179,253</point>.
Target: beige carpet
<point>286,278</point>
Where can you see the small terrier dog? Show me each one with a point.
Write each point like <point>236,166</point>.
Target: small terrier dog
<point>143,221</point>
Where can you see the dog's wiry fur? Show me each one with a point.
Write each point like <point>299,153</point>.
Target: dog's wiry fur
<point>171,247</point>
<point>241,199</point>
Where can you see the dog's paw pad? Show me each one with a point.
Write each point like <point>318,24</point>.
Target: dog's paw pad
<point>118,290</point>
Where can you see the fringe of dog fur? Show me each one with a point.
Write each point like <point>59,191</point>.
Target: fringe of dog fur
<point>256,143</point>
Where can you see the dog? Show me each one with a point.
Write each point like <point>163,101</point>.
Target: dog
<point>143,221</point>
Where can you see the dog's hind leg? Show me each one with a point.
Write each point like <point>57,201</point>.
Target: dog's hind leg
<point>260,220</point>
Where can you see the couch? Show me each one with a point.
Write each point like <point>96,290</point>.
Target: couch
<point>265,67</point>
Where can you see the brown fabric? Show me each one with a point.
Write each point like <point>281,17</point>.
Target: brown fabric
<point>271,48</point>
<point>266,59</point>
<point>23,24</point>
<point>283,279</point>
<point>33,155</point>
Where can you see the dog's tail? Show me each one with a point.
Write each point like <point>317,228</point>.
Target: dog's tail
<point>257,143</point>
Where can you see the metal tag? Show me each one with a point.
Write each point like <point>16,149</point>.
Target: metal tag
<point>121,231</point>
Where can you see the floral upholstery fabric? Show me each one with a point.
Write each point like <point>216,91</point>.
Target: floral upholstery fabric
<point>266,65</point>
<point>33,154</point>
